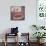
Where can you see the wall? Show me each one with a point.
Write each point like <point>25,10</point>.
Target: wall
<point>24,25</point>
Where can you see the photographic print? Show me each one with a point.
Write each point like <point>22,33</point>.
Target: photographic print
<point>17,12</point>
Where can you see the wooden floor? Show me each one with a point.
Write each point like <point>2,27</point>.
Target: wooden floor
<point>13,44</point>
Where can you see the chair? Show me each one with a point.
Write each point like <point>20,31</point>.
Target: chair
<point>25,37</point>
<point>14,32</point>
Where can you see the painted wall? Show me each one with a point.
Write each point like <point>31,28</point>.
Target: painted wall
<point>24,25</point>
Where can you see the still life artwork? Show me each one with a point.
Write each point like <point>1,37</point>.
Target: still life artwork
<point>17,12</point>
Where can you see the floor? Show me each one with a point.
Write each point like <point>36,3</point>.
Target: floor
<point>13,44</point>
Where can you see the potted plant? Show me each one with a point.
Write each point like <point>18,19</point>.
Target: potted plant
<point>39,35</point>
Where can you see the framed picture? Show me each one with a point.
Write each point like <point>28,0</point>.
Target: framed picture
<point>41,8</point>
<point>17,12</point>
<point>41,12</point>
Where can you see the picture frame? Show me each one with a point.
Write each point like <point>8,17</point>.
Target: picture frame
<point>17,12</point>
